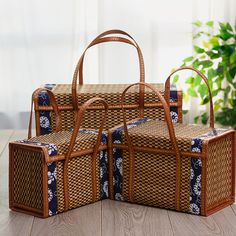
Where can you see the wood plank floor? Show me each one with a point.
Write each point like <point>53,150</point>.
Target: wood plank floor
<point>106,218</point>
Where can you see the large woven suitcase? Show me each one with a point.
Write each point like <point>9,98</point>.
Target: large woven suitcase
<point>188,168</point>
<point>59,171</point>
<point>70,97</point>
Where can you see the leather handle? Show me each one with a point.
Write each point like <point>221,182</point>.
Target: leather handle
<point>167,90</point>
<point>111,32</point>
<point>115,31</point>
<point>171,134</point>
<point>78,122</point>
<point>102,39</point>
<point>54,104</point>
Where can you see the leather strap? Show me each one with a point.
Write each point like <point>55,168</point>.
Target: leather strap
<point>53,103</point>
<point>112,32</point>
<point>172,138</point>
<point>167,90</point>
<point>78,122</point>
<point>101,39</point>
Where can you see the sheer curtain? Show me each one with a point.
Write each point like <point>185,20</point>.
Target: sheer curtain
<point>41,41</point>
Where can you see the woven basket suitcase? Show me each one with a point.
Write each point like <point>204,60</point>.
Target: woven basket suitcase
<point>69,97</point>
<point>188,168</point>
<point>59,171</point>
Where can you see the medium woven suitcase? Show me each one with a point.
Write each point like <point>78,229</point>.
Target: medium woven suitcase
<point>188,168</point>
<point>59,171</point>
<point>69,97</point>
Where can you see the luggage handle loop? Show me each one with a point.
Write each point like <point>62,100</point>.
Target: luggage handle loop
<point>171,134</point>
<point>78,122</point>
<point>167,90</point>
<point>54,104</point>
<point>101,39</point>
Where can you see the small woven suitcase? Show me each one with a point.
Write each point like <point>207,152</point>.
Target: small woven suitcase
<point>69,96</point>
<point>63,170</point>
<point>188,168</point>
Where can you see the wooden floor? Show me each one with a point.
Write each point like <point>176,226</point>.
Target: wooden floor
<point>106,218</point>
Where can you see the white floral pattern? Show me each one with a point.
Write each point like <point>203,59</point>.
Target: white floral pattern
<point>194,209</point>
<point>44,122</point>
<point>119,197</point>
<point>119,165</point>
<point>50,195</point>
<point>105,188</point>
<point>51,148</point>
<point>51,176</point>
<point>174,116</point>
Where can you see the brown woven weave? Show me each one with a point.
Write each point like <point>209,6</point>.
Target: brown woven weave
<point>154,173</point>
<point>112,94</point>
<point>59,171</point>
<point>62,141</point>
<point>150,172</point>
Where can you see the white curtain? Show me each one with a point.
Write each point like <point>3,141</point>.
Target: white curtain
<point>41,41</point>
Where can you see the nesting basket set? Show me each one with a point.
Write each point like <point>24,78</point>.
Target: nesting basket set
<point>122,142</point>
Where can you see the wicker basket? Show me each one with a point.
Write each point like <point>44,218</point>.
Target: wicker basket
<point>69,97</point>
<point>63,170</point>
<point>188,168</point>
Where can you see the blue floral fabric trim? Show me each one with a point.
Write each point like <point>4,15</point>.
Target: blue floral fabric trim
<point>103,164</point>
<point>52,176</point>
<point>196,171</point>
<point>45,116</point>
<point>174,110</point>
<point>117,158</point>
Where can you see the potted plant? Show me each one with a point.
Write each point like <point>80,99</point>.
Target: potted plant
<point>215,56</point>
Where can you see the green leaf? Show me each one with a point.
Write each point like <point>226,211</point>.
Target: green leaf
<point>203,91</point>
<point>196,64</point>
<point>210,23</point>
<point>220,70</point>
<point>176,78</point>
<point>198,49</point>
<point>189,80</point>
<point>215,92</point>
<point>214,41</point>
<point>226,94</point>
<point>188,59</point>
<point>197,23</point>
<point>217,105</point>
<point>192,92</point>
<point>204,117</point>
<point>197,80</point>
<point>205,100</point>
<point>184,112</point>
<point>206,63</point>
<point>213,55</point>
<point>232,58</point>
<point>196,118</point>
<point>229,77</point>
<point>211,73</point>
<point>224,34</point>
<point>229,27</point>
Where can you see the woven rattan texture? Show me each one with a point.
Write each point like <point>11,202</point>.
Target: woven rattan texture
<point>80,182</point>
<point>27,174</point>
<point>219,170</point>
<point>155,189</point>
<point>112,94</point>
<point>67,119</point>
<point>62,140</point>
<point>154,134</point>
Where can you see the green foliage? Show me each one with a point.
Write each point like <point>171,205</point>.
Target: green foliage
<point>215,56</point>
